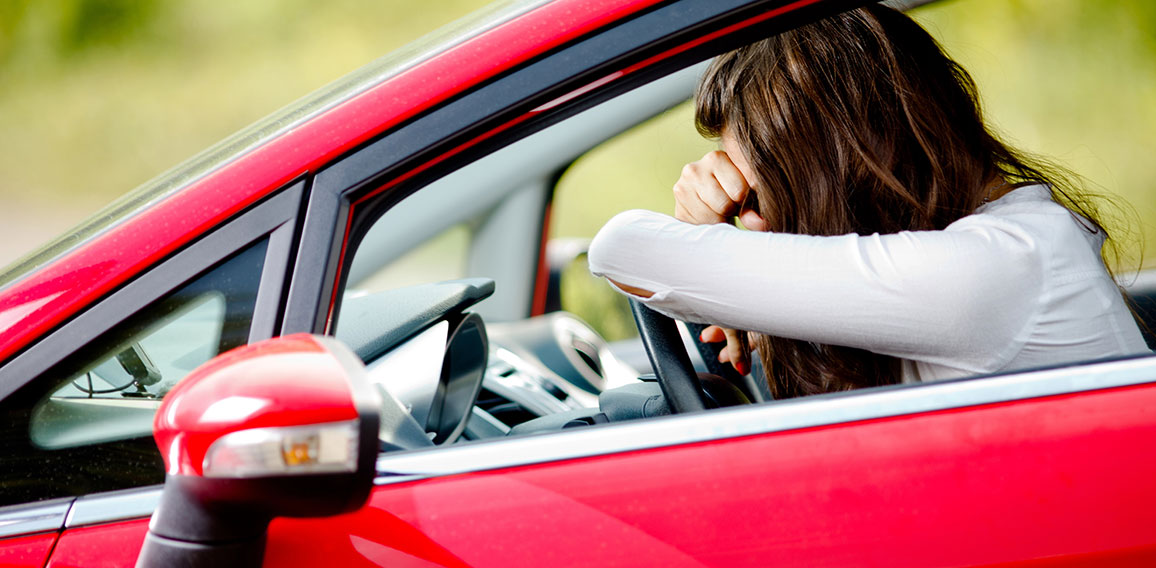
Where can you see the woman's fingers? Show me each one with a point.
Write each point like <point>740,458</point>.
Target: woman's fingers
<point>695,201</point>
<point>729,177</point>
<point>712,334</point>
<point>733,352</point>
<point>709,191</point>
<point>753,221</point>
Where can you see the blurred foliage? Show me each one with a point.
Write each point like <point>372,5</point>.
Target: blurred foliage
<point>635,170</point>
<point>49,31</point>
<point>1073,81</point>
<point>101,95</point>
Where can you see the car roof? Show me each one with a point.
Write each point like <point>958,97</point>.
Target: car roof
<point>169,212</point>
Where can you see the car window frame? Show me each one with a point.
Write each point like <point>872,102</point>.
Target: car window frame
<point>274,219</point>
<point>356,189</point>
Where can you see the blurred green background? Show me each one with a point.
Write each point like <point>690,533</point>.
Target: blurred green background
<point>100,95</point>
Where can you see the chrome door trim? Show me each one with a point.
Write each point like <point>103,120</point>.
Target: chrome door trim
<point>70,513</point>
<point>641,435</point>
<point>113,506</point>
<point>822,410</point>
<point>44,516</point>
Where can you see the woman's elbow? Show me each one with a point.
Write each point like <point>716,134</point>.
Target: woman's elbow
<point>611,243</point>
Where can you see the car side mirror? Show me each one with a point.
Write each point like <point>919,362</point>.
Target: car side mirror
<point>284,427</point>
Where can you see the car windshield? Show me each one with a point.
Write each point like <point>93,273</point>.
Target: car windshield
<point>271,127</point>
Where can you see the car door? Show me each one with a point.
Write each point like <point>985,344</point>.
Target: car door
<point>1044,468</point>
<point>979,472</point>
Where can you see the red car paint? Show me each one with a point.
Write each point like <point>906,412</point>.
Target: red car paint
<point>893,492</point>
<point>299,383</point>
<point>114,545</point>
<point>1029,483</point>
<point>1018,484</point>
<point>26,551</point>
<point>55,292</point>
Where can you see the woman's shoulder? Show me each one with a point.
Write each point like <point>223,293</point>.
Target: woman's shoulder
<point>1030,220</point>
<point>1035,198</point>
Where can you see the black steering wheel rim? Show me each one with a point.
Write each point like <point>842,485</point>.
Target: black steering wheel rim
<point>676,375</point>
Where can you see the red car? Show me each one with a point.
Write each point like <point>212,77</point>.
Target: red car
<point>458,423</point>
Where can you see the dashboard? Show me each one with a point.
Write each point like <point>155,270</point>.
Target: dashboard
<point>461,379</point>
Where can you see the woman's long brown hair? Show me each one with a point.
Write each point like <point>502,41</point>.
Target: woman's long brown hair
<point>861,124</point>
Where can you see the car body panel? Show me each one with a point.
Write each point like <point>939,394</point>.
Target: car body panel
<point>924,490</point>
<point>1052,481</point>
<point>110,545</point>
<point>1055,480</point>
<point>27,550</point>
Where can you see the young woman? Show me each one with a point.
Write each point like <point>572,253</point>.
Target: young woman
<point>891,236</point>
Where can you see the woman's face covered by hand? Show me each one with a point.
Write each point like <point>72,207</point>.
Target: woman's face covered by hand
<point>716,189</point>
<point>748,209</point>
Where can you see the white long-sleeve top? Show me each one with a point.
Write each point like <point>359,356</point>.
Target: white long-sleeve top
<point>1018,284</point>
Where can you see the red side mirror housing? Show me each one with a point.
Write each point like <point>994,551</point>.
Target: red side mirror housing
<point>284,427</point>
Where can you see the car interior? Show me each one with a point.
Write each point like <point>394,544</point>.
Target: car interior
<point>485,220</point>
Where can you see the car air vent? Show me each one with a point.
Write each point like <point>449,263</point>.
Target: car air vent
<point>561,343</point>
<point>505,410</point>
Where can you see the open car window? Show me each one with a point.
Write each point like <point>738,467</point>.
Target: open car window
<point>441,257</point>
<point>633,170</point>
<point>624,153</point>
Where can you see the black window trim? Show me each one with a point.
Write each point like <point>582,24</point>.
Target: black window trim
<point>274,218</point>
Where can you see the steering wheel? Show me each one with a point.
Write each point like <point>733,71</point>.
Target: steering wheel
<point>676,375</point>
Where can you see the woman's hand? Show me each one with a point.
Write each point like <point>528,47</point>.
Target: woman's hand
<point>710,190</point>
<point>733,353</point>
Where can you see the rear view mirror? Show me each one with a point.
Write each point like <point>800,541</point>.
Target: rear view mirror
<point>284,427</point>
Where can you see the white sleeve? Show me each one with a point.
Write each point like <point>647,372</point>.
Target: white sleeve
<point>964,297</point>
